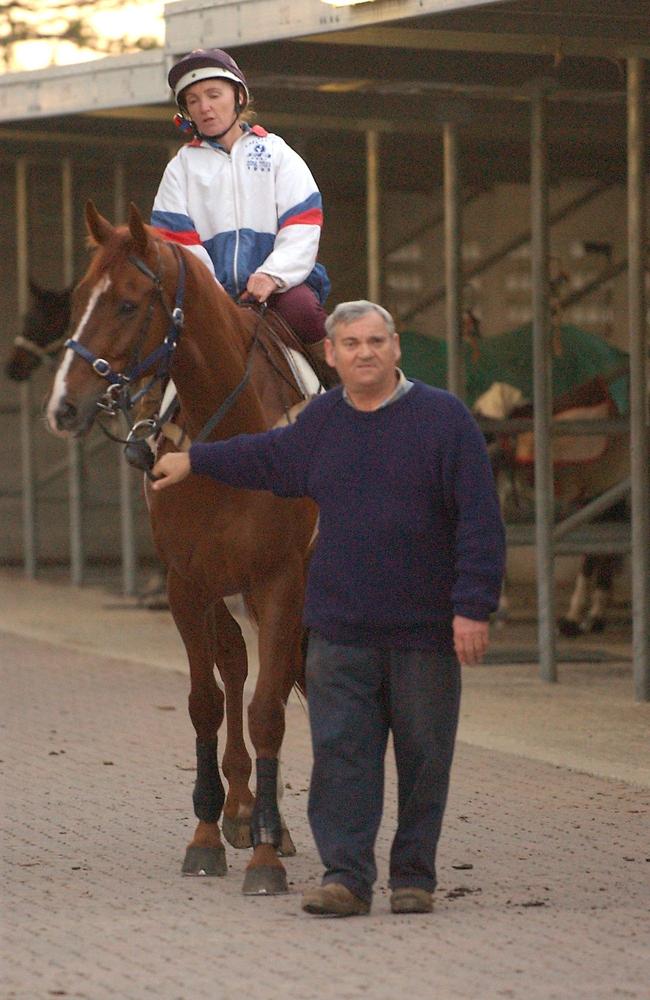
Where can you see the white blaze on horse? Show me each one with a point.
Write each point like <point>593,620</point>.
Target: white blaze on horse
<point>145,311</point>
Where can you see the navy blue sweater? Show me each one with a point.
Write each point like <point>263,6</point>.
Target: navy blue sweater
<point>410,527</point>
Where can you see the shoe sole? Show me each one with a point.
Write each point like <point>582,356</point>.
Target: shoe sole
<point>411,909</point>
<point>319,910</point>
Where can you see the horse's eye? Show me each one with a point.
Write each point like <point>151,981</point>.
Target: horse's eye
<point>126,308</point>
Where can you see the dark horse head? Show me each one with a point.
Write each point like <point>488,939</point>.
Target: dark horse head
<point>43,332</point>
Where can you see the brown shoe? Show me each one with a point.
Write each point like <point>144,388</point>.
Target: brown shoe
<point>334,900</point>
<point>410,899</point>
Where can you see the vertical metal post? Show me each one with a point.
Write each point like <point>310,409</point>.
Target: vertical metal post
<point>542,387</point>
<point>639,434</point>
<point>127,530</point>
<point>453,264</point>
<point>372,214</point>
<point>75,448</point>
<point>26,393</point>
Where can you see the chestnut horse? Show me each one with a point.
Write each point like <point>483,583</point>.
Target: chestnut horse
<point>146,309</point>
<point>43,333</point>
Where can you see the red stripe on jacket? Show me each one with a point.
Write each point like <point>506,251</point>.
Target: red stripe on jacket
<point>188,239</point>
<point>312,217</point>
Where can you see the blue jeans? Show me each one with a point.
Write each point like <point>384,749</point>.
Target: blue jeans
<point>355,696</point>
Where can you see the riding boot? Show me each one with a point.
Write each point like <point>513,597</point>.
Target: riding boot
<point>327,375</point>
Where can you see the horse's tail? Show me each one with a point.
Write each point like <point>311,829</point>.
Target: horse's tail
<point>300,682</point>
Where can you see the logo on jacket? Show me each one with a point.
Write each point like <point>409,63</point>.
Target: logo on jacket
<point>259,158</point>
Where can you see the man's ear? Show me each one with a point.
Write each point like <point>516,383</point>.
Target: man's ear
<point>330,353</point>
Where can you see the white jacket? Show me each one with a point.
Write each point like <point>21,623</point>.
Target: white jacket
<point>255,209</point>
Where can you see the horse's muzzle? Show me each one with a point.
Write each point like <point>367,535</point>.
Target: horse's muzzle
<point>68,418</point>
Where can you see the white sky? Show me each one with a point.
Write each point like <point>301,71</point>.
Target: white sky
<point>130,20</point>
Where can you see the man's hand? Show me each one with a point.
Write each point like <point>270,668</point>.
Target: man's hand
<point>470,640</point>
<point>259,286</point>
<point>170,469</point>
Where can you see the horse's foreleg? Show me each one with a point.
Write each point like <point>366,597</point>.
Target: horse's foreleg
<point>232,663</point>
<point>205,853</point>
<point>279,607</point>
<point>570,624</point>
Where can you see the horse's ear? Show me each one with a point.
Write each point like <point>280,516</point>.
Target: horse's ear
<point>99,228</point>
<point>136,226</point>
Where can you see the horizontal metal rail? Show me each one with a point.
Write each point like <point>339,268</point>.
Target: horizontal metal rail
<point>516,425</point>
<point>595,539</point>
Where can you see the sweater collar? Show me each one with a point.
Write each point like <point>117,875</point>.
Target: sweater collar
<point>402,387</point>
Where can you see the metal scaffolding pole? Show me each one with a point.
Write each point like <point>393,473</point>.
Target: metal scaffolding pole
<point>542,389</point>
<point>639,434</point>
<point>26,392</point>
<point>372,214</point>
<point>127,530</point>
<point>453,265</point>
<point>75,448</point>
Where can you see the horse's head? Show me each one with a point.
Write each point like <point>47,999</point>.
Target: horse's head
<point>120,318</point>
<point>43,330</point>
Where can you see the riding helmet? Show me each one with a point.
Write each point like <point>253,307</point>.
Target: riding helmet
<point>205,64</point>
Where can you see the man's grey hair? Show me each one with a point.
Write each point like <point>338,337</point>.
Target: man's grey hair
<point>349,312</point>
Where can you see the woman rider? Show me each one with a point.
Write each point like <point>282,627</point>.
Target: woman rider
<point>242,199</point>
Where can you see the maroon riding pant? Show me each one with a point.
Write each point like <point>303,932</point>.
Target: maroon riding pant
<point>300,308</point>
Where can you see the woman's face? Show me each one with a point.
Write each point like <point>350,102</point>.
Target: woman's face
<point>211,105</point>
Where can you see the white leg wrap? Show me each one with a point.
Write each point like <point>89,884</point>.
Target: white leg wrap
<point>579,599</point>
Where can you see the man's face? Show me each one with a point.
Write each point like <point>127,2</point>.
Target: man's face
<point>211,105</point>
<point>364,354</point>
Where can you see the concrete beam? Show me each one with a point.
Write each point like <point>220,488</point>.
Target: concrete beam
<point>485,41</point>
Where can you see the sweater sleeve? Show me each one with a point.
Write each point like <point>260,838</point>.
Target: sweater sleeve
<point>299,209</point>
<point>275,460</point>
<point>470,492</point>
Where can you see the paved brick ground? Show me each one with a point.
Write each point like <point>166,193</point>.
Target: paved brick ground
<point>96,781</point>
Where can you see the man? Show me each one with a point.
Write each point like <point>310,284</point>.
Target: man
<point>407,570</point>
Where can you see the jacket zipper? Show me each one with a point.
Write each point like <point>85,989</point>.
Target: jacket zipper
<point>235,263</point>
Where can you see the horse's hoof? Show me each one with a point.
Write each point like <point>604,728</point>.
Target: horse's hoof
<point>568,628</point>
<point>287,848</point>
<point>597,625</point>
<point>265,880</point>
<point>205,861</point>
<point>237,831</point>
